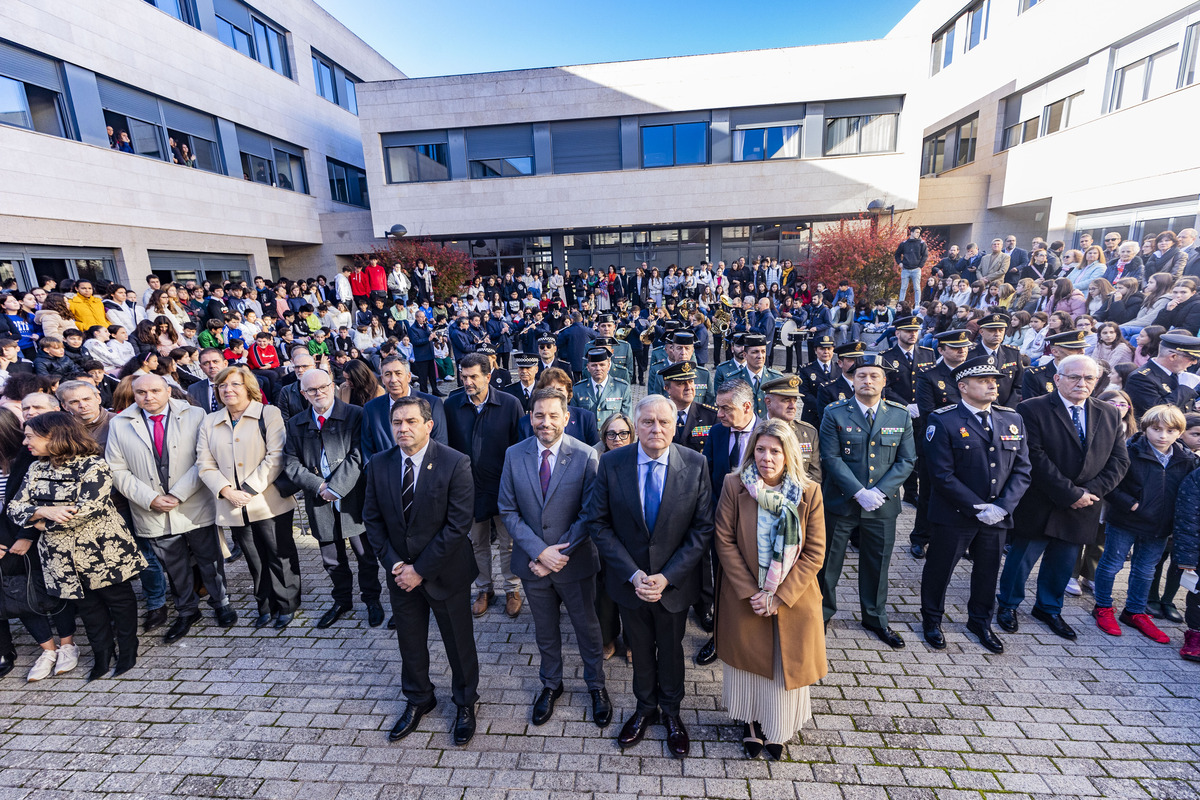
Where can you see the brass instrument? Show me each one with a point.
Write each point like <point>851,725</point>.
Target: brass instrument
<point>622,333</point>
<point>720,324</point>
<point>647,337</point>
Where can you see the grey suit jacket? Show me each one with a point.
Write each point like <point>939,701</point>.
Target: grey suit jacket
<point>536,523</point>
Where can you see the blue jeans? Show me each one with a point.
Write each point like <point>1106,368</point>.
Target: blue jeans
<point>912,276</point>
<point>1146,553</point>
<point>1058,565</point>
<point>1130,332</point>
<point>154,580</point>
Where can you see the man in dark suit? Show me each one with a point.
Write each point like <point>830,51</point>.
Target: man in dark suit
<point>978,464</point>
<point>397,380</point>
<point>992,329</point>
<point>1157,381</point>
<point>820,370</point>
<point>1017,257</point>
<point>527,372</point>
<point>573,342</point>
<point>1077,452</point>
<point>425,547</point>
<point>483,423</point>
<point>322,455</point>
<point>650,514</point>
<point>693,421</point>
<point>542,493</point>
<point>866,455</point>
<point>424,365</point>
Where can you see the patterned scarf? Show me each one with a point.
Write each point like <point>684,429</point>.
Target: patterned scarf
<point>785,535</point>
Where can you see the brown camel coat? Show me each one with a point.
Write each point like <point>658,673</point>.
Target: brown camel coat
<point>744,639</point>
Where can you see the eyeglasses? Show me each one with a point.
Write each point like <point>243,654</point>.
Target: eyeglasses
<point>1118,404</point>
<point>1089,379</point>
<point>617,436</point>
<point>316,390</point>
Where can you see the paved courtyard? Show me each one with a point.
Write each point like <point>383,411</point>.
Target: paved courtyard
<point>304,713</point>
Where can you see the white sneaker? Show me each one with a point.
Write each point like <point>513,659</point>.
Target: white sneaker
<point>68,658</point>
<point>43,667</point>
<point>1073,588</point>
<point>1087,585</point>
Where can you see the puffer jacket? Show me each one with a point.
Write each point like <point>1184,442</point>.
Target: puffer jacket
<point>1151,487</point>
<point>1186,549</point>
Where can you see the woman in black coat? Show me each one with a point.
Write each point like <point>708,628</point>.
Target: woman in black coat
<point>1124,303</point>
<point>1184,309</point>
<point>1167,257</point>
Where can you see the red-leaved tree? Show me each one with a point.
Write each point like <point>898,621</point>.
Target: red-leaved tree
<point>454,268</point>
<point>862,251</point>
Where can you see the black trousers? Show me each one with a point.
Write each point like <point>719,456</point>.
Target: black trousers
<point>335,556</point>
<point>655,636</point>
<point>273,562</point>
<point>178,552</point>
<point>110,617</point>
<point>920,531</point>
<point>453,617</point>
<point>640,360</point>
<point>607,611</point>
<point>425,373</point>
<point>1191,610</point>
<point>1174,573</point>
<point>946,546</point>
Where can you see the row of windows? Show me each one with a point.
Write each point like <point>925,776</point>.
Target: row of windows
<point>27,105</point>
<point>970,26</point>
<point>950,148</point>
<point>680,144</point>
<point>347,184</point>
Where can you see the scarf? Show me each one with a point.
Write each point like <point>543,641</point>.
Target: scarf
<point>785,534</point>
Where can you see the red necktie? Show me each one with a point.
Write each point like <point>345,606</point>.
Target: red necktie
<point>320,422</point>
<point>159,433</point>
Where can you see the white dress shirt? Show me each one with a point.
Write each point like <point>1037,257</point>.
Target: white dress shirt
<point>644,461</point>
<point>553,450</point>
<point>864,409</point>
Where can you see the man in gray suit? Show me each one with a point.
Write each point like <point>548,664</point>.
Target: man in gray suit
<point>542,490</point>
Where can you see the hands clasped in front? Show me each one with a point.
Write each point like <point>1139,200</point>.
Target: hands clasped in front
<point>549,560</point>
<point>649,588</point>
<point>406,577</point>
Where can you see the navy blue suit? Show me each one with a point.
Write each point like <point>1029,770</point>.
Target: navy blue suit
<point>377,427</point>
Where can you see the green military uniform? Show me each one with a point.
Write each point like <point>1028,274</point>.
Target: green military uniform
<point>614,396</point>
<point>806,435</point>
<point>705,388</point>
<point>726,369</point>
<point>858,455</point>
<point>622,361</point>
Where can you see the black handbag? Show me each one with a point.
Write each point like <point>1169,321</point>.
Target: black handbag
<point>22,595</point>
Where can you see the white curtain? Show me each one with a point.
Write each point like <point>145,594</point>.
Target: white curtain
<point>878,134</point>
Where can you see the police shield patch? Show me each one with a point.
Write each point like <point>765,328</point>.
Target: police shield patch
<point>929,433</point>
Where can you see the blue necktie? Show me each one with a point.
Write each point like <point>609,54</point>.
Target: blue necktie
<point>653,496</point>
<point>1078,424</point>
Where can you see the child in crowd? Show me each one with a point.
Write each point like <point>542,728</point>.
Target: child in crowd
<point>101,347</point>
<point>1139,517</point>
<point>189,336</point>
<point>211,335</point>
<point>235,353</point>
<point>1186,535</point>
<point>73,345</point>
<point>52,358</point>
<point>317,346</point>
<point>1191,435</point>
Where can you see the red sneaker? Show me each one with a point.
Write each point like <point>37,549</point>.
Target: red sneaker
<point>1191,645</point>
<point>1106,620</point>
<point>1146,625</point>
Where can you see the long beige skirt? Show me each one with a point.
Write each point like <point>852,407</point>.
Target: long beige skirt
<point>753,698</point>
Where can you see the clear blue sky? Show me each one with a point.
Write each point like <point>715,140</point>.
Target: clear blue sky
<point>456,36</point>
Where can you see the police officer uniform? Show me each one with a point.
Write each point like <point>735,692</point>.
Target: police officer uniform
<point>658,353</point>
<point>840,387</point>
<point>1151,385</point>
<point>614,395</point>
<point>977,459</point>
<point>806,435</point>
<point>936,389</point>
<point>548,338</point>
<point>516,389</point>
<point>812,376</point>
<point>622,352</point>
<point>902,380</point>
<point>1039,380</point>
<point>858,455</point>
<point>727,369</point>
<point>768,374</point>
<point>1008,360</point>
<point>500,377</point>
<point>705,390</point>
<point>693,426</point>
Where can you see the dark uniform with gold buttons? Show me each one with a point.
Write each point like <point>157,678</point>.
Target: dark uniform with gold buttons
<point>727,369</point>
<point>857,455</point>
<point>806,435</point>
<point>1040,380</point>
<point>1150,385</point>
<point>757,340</point>
<point>813,374</point>
<point>658,353</point>
<point>693,429</point>
<point>840,387</point>
<point>970,464</point>
<point>902,380</point>
<point>1008,360</point>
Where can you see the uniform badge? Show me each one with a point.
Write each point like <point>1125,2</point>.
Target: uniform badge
<point>941,384</point>
<point>1166,388</point>
<point>929,433</point>
<point>1049,386</point>
<point>1012,429</point>
<point>963,432</point>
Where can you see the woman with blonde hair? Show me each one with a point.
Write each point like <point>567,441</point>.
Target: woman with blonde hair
<point>240,458</point>
<point>1025,299</point>
<point>770,631</point>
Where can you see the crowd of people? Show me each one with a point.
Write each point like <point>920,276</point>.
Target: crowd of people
<point>430,436</point>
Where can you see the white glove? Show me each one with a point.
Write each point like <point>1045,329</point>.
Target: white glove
<point>912,410</point>
<point>990,514</point>
<point>879,494</point>
<point>868,499</point>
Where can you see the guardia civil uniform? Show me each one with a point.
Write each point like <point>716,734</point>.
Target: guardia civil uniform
<point>612,397</point>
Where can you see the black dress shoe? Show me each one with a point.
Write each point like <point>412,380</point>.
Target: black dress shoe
<point>774,750</point>
<point>1057,625</point>
<point>100,665</point>
<point>180,627</point>
<point>752,740</point>
<point>1171,613</point>
<point>283,620</point>
<point>917,550</point>
<point>986,638</point>
<point>226,617</point>
<point>124,665</point>
<point>234,554</point>
<point>1006,618</point>
<point>708,653</point>
<point>678,742</point>
<point>263,620</point>
<point>887,636</point>
<point>464,725</point>
<point>155,619</point>
<point>1154,608</point>
<point>543,705</point>
<point>331,616</point>
<point>410,719</point>
<point>934,637</point>
<point>601,707</point>
<point>7,662</point>
<point>391,626</point>
<point>634,729</point>
<point>704,617</point>
<point>374,615</point>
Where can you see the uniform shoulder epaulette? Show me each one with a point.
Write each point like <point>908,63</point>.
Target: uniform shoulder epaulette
<point>1040,367</point>
<point>1142,370</point>
<point>838,403</point>
<point>706,405</point>
<point>894,404</point>
<point>926,349</point>
<point>944,409</point>
<point>1004,408</point>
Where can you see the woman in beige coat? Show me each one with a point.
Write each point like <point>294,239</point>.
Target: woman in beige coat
<point>240,455</point>
<point>770,632</point>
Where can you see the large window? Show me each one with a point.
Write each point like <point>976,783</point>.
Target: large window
<point>976,24</point>
<point>349,94</point>
<point>762,144</point>
<point>271,161</point>
<point>1058,114</point>
<point>875,133</point>
<point>967,135</point>
<point>334,83</point>
<point>132,135</point>
<point>348,184</point>
<point>258,169</point>
<point>252,35</point>
<point>1145,79</point>
<point>1020,133</point>
<point>933,154</point>
<point>943,51</point>
<point>189,150</point>
<point>674,145</point>
<point>289,172</point>
<point>500,151</point>
<point>1191,46</point>
<point>323,75</point>
<point>28,106</point>
<point>417,163</point>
